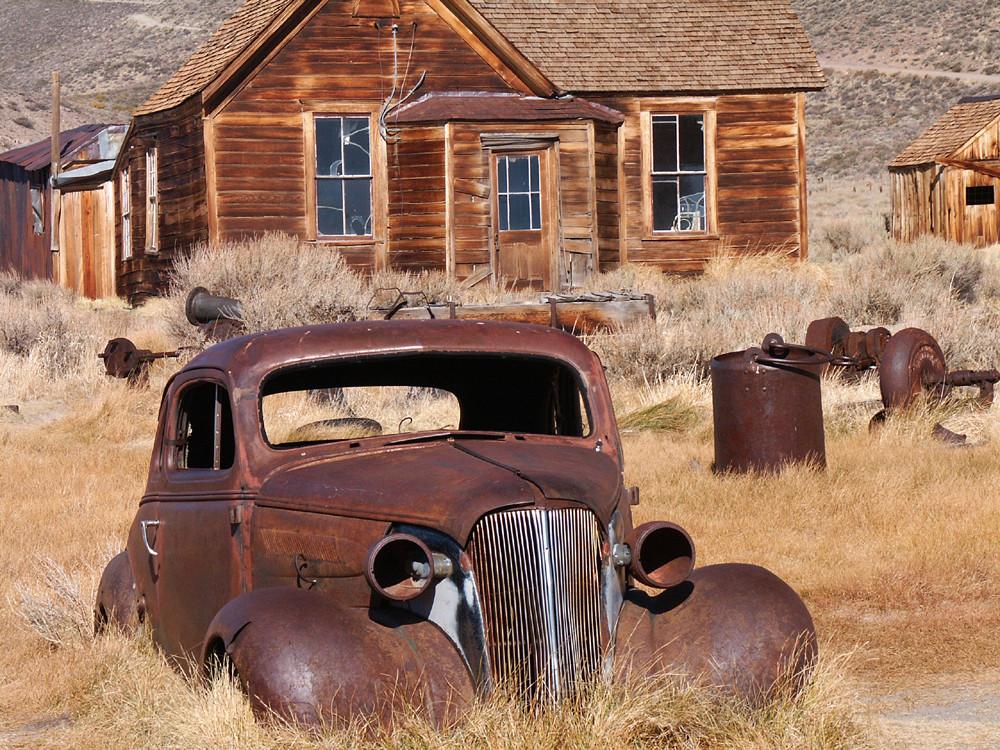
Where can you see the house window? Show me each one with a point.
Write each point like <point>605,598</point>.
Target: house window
<point>343,176</point>
<point>979,195</point>
<point>37,212</point>
<point>678,173</point>
<point>205,436</point>
<point>125,186</point>
<point>152,212</point>
<point>519,194</point>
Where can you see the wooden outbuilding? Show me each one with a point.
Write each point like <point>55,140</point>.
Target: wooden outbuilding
<point>528,142</point>
<point>947,182</point>
<point>83,258</point>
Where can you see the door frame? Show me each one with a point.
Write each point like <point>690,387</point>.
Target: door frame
<point>547,149</point>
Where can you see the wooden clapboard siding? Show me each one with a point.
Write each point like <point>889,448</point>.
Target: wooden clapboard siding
<point>606,197</point>
<point>758,180</point>
<point>182,208</point>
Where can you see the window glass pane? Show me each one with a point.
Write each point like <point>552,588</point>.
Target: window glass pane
<point>665,144</point>
<point>664,202</point>
<point>502,210</point>
<point>329,157</point>
<point>691,132</point>
<point>692,203</point>
<point>536,211</point>
<point>518,174</point>
<point>330,207</point>
<point>520,210</point>
<point>358,206</point>
<point>533,162</point>
<point>502,174</point>
<point>357,148</point>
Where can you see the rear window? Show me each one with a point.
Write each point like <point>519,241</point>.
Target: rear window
<point>353,399</point>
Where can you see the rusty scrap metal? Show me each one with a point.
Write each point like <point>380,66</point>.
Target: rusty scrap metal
<point>123,360</point>
<point>834,335</point>
<point>767,407</point>
<point>219,318</point>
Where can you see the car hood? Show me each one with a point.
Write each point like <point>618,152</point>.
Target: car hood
<point>447,485</point>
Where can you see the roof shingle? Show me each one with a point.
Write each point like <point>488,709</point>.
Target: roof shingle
<point>955,128</point>
<point>679,46</point>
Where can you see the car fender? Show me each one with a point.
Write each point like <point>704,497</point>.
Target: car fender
<point>738,627</point>
<point>117,603</point>
<point>305,658</point>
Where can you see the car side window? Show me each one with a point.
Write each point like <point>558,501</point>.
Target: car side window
<point>205,437</point>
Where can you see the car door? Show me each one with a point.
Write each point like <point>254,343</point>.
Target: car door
<point>195,540</point>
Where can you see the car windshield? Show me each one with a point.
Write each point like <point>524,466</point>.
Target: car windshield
<point>412,393</point>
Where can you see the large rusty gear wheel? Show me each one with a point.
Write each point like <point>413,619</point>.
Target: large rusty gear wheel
<point>912,364</point>
<point>827,334</point>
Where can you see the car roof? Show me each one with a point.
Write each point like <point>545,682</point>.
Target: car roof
<point>248,359</point>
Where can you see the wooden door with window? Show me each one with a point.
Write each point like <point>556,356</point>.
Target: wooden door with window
<point>523,219</point>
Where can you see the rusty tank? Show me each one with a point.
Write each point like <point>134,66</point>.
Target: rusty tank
<point>767,407</point>
<point>481,538</point>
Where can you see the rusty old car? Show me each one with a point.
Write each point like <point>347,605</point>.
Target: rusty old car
<point>354,517</point>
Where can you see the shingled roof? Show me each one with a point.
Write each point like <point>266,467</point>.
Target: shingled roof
<point>957,126</point>
<point>660,45</point>
<point>679,46</point>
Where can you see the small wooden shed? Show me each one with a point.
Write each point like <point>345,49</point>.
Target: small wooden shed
<point>84,257</point>
<point>947,182</point>
<point>531,142</point>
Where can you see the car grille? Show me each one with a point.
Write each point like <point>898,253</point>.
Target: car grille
<point>537,572</point>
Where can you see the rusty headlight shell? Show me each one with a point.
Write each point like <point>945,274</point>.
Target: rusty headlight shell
<point>400,567</point>
<point>658,554</point>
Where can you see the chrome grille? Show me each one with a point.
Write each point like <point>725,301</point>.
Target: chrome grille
<point>537,572</point>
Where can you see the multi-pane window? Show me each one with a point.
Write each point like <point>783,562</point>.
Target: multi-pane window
<point>678,173</point>
<point>125,185</point>
<point>152,211</point>
<point>519,195</point>
<point>343,176</point>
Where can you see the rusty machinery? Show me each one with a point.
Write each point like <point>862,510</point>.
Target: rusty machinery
<point>218,317</point>
<point>835,336</point>
<point>122,359</point>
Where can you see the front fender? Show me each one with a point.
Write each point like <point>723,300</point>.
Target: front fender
<point>738,627</point>
<point>308,659</point>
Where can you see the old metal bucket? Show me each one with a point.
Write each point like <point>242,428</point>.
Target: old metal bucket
<point>767,408</point>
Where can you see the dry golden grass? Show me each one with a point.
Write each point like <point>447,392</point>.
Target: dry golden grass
<point>893,547</point>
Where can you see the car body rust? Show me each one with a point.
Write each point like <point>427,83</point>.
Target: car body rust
<point>354,564</point>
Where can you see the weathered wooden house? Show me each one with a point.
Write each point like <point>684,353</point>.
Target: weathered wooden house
<point>947,182</point>
<point>84,260</point>
<point>533,142</point>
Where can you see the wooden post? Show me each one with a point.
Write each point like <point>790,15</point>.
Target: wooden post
<point>53,192</point>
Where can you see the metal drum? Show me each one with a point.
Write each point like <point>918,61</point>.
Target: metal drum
<point>767,407</point>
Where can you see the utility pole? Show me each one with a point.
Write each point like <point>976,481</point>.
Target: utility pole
<point>53,191</point>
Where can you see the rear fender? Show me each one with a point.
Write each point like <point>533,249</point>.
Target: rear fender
<point>738,627</point>
<point>305,658</point>
<point>117,603</point>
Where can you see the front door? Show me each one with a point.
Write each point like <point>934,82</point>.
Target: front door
<point>523,220</point>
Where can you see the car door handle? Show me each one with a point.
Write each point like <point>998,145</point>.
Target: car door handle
<point>145,539</point>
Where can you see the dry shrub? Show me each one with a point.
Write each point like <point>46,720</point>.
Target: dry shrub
<point>672,415</point>
<point>279,282</point>
<point>57,605</point>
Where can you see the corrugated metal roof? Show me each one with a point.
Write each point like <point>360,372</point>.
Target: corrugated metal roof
<point>590,45</point>
<point>38,155</point>
<point>478,106</point>
<point>954,129</point>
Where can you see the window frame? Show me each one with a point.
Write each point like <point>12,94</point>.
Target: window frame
<point>125,211</point>
<point>176,443</point>
<point>152,199</point>
<point>376,177</point>
<point>973,191</point>
<point>37,217</point>
<point>678,108</point>
<point>532,191</point>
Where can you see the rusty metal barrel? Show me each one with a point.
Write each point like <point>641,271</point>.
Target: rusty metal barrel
<point>767,408</point>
